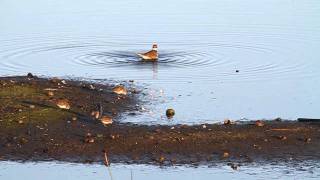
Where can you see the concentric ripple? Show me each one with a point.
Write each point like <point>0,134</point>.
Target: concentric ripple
<point>217,61</point>
<point>129,58</point>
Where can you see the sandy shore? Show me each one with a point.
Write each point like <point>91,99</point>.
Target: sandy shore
<point>34,128</point>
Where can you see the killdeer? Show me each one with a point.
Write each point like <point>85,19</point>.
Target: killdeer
<point>151,55</point>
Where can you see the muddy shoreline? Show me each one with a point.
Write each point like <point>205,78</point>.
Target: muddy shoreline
<point>33,128</point>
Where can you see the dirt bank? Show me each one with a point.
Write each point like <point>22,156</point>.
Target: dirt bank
<point>33,128</point>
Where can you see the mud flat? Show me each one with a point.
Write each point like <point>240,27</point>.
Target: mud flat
<point>34,128</point>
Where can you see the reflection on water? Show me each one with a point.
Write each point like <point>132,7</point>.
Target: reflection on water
<point>8,170</point>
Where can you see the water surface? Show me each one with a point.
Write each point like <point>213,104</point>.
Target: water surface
<point>273,44</point>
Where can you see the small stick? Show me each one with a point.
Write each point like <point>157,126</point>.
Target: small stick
<point>106,162</point>
<point>284,129</point>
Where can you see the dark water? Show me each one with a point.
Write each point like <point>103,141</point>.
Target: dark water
<point>202,43</point>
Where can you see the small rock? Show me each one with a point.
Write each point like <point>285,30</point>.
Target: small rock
<point>99,135</point>
<point>92,87</point>
<point>259,123</point>
<point>32,106</point>
<point>95,114</point>
<point>30,75</point>
<point>112,136</point>
<point>161,159</point>
<point>307,140</point>
<point>278,119</point>
<point>74,118</point>
<point>20,122</point>
<point>89,140</point>
<point>234,166</point>
<point>106,120</point>
<point>170,113</point>
<point>282,137</point>
<point>225,155</point>
<point>204,126</point>
<point>120,90</point>
<point>227,122</point>
<point>63,104</point>
<point>237,71</point>
<point>50,93</point>
<point>64,82</point>
<point>24,140</point>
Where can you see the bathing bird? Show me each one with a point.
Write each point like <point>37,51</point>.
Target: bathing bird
<point>151,55</point>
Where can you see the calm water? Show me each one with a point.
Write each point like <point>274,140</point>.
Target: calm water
<point>274,44</point>
<point>48,171</point>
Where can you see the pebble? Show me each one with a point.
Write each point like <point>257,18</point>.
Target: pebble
<point>307,140</point>
<point>259,123</point>
<point>95,114</point>
<point>120,90</point>
<point>227,122</point>
<point>106,120</point>
<point>225,155</point>
<point>74,118</point>
<point>32,106</point>
<point>63,104</point>
<point>170,113</point>
<point>282,137</point>
<point>50,93</point>
<point>20,122</point>
<point>30,75</point>
<point>234,166</point>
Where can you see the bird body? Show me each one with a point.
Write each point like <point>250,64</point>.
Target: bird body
<point>151,55</point>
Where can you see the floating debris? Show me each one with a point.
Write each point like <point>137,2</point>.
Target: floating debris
<point>170,113</point>
<point>120,90</point>
<point>63,104</point>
